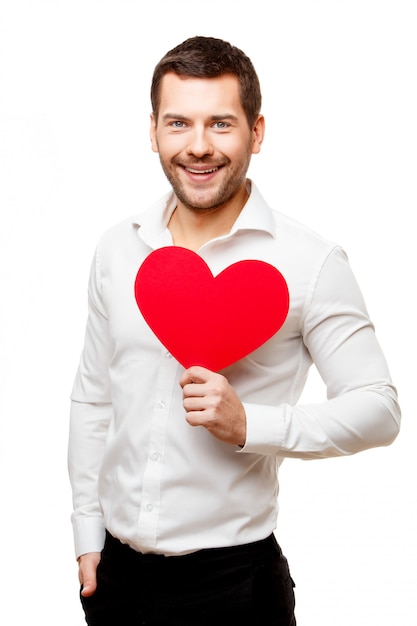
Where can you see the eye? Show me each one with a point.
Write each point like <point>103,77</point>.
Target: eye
<point>221,125</point>
<point>177,124</point>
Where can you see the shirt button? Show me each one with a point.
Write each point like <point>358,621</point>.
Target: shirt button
<point>168,355</point>
<point>154,456</point>
<point>149,508</point>
<point>161,404</point>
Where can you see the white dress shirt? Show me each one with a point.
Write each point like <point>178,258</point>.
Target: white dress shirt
<point>138,469</point>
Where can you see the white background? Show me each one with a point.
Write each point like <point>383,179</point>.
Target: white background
<point>339,86</point>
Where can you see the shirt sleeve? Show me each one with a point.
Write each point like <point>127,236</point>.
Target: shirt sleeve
<point>361,410</point>
<point>90,415</point>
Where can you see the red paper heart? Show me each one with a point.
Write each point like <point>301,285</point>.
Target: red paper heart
<point>206,320</point>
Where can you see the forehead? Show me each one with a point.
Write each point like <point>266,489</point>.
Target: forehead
<point>210,96</point>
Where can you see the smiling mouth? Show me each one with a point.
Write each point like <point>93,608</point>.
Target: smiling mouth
<point>208,171</point>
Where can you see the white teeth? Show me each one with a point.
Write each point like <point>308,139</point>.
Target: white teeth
<point>201,171</point>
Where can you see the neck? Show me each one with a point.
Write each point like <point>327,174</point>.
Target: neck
<point>191,228</point>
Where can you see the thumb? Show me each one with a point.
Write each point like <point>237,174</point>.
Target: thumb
<point>87,573</point>
<point>89,587</point>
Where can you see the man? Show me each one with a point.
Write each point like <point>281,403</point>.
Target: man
<point>174,470</point>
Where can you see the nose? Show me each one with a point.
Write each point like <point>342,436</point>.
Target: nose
<point>200,144</point>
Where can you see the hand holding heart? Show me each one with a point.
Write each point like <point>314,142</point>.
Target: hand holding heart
<point>210,401</point>
<point>207,323</point>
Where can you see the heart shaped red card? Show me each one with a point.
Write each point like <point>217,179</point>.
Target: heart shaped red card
<point>209,320</point>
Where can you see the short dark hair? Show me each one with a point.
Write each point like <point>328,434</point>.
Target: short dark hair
<point>208,57</point>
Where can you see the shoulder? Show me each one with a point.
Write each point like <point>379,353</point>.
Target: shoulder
<point>300,232</point>
<point>118,232</point>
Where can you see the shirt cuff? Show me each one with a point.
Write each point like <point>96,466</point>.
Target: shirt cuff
<point>266,428</point>
<point>89,535</point>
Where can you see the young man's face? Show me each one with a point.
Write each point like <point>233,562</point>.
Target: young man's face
<point>204,140</point>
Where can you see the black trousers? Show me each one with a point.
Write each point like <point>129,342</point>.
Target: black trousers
<point>244,585</point>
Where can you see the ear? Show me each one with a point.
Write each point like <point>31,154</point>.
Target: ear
<point>258,133</point>
<point>154,142</point>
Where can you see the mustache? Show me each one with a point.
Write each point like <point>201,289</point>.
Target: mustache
<point>200,163</point>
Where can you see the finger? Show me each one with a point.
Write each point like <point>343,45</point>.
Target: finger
<point>195,374</point>
<point>194,390</point>
<point>194,403</point>
<point>195,418</point>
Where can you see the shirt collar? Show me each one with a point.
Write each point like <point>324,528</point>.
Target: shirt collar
<point>152,223</point>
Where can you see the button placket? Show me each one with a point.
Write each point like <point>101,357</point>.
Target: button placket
<point>151,486</point>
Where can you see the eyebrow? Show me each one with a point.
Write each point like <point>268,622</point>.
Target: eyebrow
<point>212,118</point>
